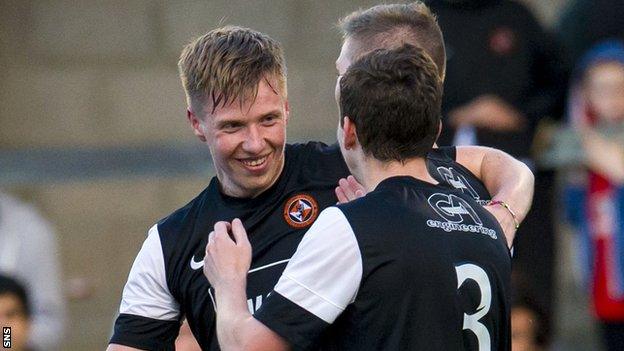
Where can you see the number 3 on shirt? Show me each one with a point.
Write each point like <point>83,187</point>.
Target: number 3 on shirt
<point>471,321</point>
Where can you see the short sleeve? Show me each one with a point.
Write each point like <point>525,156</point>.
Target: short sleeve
<point>149,315</point>
<point>319,282</point>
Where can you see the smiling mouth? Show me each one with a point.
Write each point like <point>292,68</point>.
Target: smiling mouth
<point>254,162</point>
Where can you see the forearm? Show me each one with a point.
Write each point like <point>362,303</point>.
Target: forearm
<point>237,329</point>
<point>232,317</point>
<point>505,178</point>
<point>508,180</point>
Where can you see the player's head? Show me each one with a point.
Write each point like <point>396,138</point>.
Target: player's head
<point>390,103</point>
<point>14,311</point>
<point>390,26</point>
<point>235,84</point>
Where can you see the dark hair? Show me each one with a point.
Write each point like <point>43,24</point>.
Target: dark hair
<point>392,25</point>
<point>10,286</point>
<point>393,97</point>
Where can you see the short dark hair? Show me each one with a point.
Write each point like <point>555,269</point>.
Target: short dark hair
<point>389,26</point>
<point>394,99</point>
<point>10,286</point>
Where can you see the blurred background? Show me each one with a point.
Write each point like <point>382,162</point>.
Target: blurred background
<point>94,137</point>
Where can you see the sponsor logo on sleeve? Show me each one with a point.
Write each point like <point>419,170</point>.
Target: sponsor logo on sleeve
<point>458,181</point>
<point>458,215</point>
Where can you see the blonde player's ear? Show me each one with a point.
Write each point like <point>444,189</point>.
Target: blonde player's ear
<point>196,124</point>
<point>287,111</point>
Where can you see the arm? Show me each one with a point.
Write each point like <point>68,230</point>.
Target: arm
<point>506,178</point>
<point>319,282</point>
<point>149,315</point>
<point>226,264</point>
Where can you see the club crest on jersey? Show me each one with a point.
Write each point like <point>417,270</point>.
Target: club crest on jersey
<point>300,210</point>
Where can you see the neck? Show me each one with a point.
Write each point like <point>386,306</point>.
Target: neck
<point>374,171</point>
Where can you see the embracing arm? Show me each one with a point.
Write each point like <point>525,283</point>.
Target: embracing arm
<point>506,178</point>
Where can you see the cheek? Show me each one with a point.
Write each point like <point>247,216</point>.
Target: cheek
<point>223,147</point>
<point>276,135</point>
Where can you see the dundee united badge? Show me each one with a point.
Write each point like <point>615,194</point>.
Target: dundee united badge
<point>300,210</point>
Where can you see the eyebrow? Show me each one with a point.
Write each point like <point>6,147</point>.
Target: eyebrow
<point>237,121</point>
<point>273,112</point>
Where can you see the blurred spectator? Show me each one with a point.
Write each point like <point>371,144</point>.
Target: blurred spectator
<point>29,253</point>
<point>526,325</point>
<point>505,74</point>
<point>587,22</point>
<point>595,205</point>
<point>14,311</point>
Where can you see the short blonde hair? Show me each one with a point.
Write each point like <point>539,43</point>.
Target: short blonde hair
<point>390,26</point>
<point>228,63</point>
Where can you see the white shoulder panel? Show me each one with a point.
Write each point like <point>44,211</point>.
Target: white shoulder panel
<point>146,293</point>
<point>324,275</point>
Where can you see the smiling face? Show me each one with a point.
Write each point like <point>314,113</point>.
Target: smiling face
<point>246,142</point>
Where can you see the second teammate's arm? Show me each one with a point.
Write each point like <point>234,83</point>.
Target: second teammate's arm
<point>506,178</point>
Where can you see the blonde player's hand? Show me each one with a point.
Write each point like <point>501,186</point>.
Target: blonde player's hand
<point>349,189</point>
<point>228,255</point>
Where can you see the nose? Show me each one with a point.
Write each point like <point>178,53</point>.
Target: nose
<point>254,142</point>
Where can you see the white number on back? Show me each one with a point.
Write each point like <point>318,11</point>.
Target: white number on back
<point>471,321</point>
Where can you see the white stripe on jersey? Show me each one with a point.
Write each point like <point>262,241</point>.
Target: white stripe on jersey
<point>146,293</point>
<point>324,275</point>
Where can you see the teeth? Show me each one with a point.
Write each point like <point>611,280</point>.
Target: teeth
<point>254,163</point>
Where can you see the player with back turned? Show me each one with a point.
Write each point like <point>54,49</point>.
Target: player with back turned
<point>412,265</point>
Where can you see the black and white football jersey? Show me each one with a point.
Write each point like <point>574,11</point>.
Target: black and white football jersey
<point>443,168</point>
<point>166,282</point>
<point>410,266</point>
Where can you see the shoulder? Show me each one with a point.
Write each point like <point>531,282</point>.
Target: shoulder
<point>186,215</point>
<point>375,207</point>
<point>314,149</point>
<point>317,159</point>
<point>444,153</point>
